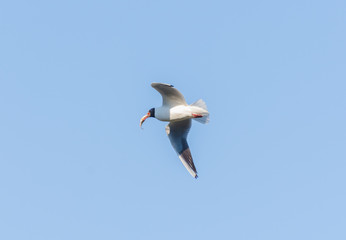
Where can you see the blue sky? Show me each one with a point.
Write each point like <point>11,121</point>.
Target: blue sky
<point>75,80</point>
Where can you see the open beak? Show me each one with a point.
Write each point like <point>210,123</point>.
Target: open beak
<point>143,119</point>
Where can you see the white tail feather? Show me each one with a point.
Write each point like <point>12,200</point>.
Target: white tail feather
<point>201,104</point>
<point>203,120</point>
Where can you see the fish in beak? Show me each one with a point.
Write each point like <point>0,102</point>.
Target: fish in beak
<point>143,119</point>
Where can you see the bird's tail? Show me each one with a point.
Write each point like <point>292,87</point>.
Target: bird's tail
<point>201,104</point>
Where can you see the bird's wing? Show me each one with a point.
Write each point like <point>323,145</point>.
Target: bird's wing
<point>170,96</point>
<point>177,134</point>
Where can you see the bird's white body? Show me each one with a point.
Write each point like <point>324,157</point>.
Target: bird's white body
<point>178,113</point>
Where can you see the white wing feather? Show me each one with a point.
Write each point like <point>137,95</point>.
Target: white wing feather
<point>171,97</point>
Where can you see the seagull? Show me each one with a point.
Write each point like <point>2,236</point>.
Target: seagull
<point>178,113</point>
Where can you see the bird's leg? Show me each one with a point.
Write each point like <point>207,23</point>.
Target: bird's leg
<point>197,115</point>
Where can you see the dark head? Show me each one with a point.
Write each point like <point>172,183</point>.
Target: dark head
<point>151,113</point>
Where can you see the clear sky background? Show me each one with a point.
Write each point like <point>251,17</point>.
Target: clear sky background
<point>75,80</point>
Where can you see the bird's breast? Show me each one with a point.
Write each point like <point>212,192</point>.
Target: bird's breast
<point>162,113</point>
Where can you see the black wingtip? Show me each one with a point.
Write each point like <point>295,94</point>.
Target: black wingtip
<point>196,176</point>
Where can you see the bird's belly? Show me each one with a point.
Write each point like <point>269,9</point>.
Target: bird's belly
<point>177,113</point>
<point>180,113</point>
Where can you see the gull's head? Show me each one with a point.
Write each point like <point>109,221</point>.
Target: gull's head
<point>151,113</point>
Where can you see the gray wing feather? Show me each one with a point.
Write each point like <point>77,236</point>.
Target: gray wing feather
<point>170,95</point>
<point>177,134</point>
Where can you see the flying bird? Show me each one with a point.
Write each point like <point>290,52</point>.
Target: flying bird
<point>178,113</point>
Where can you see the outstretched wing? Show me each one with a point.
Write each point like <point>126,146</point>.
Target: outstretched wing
<point>177,134</point>
<point>170,96</point>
